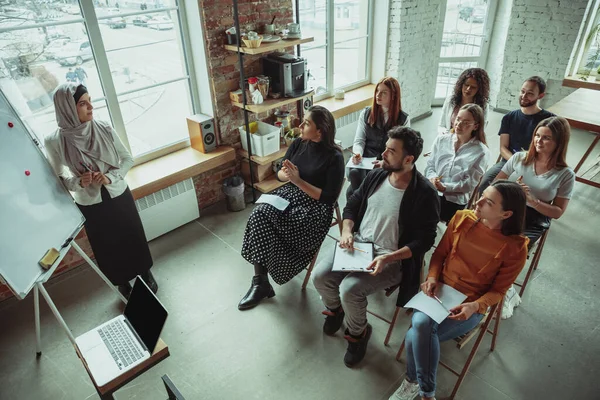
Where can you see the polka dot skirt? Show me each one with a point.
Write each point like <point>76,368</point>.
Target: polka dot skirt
<point>286,241</point>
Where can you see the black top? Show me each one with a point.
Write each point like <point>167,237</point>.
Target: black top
<point>520,127</point>
<point>376,136</point>
<point>319,166</point>
<point>419,213</point>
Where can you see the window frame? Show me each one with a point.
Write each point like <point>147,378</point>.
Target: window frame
<point>90,20</point>
<point>330,49</point>
<point>580,50</point>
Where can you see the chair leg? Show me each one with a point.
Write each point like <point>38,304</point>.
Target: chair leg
<point>497,324</point>
<point>392,324</point>
<point>401,349</point>
<point>309,270</point>
<point>338,217</point>
<point>465,369</point>
<point>540,247</point>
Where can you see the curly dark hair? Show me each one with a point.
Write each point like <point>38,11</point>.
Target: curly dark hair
<point>482,97</point>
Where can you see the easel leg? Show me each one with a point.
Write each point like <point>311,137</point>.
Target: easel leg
<point>52,306</point>
<point>95,267</point>
<point>36,309</point>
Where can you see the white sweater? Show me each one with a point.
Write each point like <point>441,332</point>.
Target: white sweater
<point>70,176</point>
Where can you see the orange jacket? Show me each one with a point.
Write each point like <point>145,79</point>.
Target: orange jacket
<point>479,262</point>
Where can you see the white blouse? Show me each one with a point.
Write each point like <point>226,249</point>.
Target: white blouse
<point>461,170</point>
<point>70,176</point>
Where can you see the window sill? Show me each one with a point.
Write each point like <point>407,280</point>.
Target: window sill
<point>575,82</point>
<point>354,100</point>
<point>167,170</point>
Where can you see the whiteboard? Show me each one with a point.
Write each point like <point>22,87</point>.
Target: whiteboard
<point>36,211</point>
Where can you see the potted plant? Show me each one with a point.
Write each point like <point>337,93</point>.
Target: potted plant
<point>292,135</point>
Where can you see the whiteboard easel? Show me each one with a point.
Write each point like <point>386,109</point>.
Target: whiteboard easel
<point>39,288</point>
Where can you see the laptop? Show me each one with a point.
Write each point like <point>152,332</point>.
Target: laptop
<point>124,342</point>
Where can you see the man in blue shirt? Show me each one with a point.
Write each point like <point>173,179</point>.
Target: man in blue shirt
<point>516,129</point>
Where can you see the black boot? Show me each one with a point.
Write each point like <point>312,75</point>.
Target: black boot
<point>149,279</point>
<point>357,346</point>
<point>125,290</point>
<point>259,289</point>
<point>334,320</point>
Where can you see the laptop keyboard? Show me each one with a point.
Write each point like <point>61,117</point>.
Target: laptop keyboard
<point>121,346</point>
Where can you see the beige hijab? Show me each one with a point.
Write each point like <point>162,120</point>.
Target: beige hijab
<point>89,142</point>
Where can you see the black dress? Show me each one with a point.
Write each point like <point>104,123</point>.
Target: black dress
<point>286,241</point>
<point>117,237</point>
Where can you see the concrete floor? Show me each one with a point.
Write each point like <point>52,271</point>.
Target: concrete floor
<point>277,351</point>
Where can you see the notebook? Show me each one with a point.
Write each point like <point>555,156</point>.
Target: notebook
<point>124,342</point>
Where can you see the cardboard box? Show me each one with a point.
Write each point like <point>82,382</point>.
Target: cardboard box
<point>260,172</point>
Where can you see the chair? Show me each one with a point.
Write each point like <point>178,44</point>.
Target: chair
<point>493,313</point>
<point>337,220</point>
<point>537,254</point>
<point>388,292</point>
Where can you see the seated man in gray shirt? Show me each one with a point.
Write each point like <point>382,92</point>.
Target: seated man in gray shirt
<point>397,209</point>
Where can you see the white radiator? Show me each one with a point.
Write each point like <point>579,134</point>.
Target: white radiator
<point>346,128</point>
<point>169,208</point>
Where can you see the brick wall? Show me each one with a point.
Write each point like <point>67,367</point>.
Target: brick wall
<point>414,34</point>
<point>538,41</point>
<point>223,66</point>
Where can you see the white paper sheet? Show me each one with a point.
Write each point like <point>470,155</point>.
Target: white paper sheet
<point>355,261</point>
<point>449,296</point>
<point>365,163</point>
<point>275,201</point>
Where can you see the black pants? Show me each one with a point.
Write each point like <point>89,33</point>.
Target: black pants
<point>490,175</point>
<point>535,225</point>
<point>448,209</point>
<point>356,176</point>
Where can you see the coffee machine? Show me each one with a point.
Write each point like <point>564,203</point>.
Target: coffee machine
<point>288,74</point>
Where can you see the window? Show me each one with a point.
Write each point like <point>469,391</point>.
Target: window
<point>132,58</point>
<point>467,28</point>
<point>339,58</point>
<point>587,51</point>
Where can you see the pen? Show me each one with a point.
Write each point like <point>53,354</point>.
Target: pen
<point>84,165</point>
<point>353,248</point>
<point>439,301</point>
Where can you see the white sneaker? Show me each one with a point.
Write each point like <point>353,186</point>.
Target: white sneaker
<point>406,391</point>
<point>511,300</point>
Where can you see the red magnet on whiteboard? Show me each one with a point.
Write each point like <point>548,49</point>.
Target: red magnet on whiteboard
<point>27,172</point>
<point>10,125</point>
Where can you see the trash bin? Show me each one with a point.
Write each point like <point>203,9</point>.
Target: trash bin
<point>234,193</point>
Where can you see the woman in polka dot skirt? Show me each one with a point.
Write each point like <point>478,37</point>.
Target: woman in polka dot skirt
<point>282,243</point>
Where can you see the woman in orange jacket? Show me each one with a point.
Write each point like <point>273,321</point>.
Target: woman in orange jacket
<point>480,255</point>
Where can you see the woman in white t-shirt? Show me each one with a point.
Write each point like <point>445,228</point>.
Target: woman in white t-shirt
<point>544,174</point>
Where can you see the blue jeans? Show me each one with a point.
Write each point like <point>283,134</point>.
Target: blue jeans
<point>423,347</point>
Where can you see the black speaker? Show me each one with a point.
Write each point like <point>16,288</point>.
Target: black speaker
<point>307,103</point>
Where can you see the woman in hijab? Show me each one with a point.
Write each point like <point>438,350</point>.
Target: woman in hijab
<point>92,163</point>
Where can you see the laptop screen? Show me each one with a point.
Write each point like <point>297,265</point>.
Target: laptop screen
<point>145,313</point>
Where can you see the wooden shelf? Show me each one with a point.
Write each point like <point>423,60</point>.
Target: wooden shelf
<point>354,100</point>
<point>269,184</point>
<point>266,159</point>
<point>272,103</point>
<point>575,82</point>
<point>268,47</point>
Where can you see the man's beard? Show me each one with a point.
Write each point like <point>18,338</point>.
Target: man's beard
<point>388,167</point>
<point>522,103</point>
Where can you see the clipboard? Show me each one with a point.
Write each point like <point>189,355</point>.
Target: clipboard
<point>355,261</point>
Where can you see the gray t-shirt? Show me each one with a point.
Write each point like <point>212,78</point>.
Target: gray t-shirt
<point>547,186</point>
<point>380,223</point>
